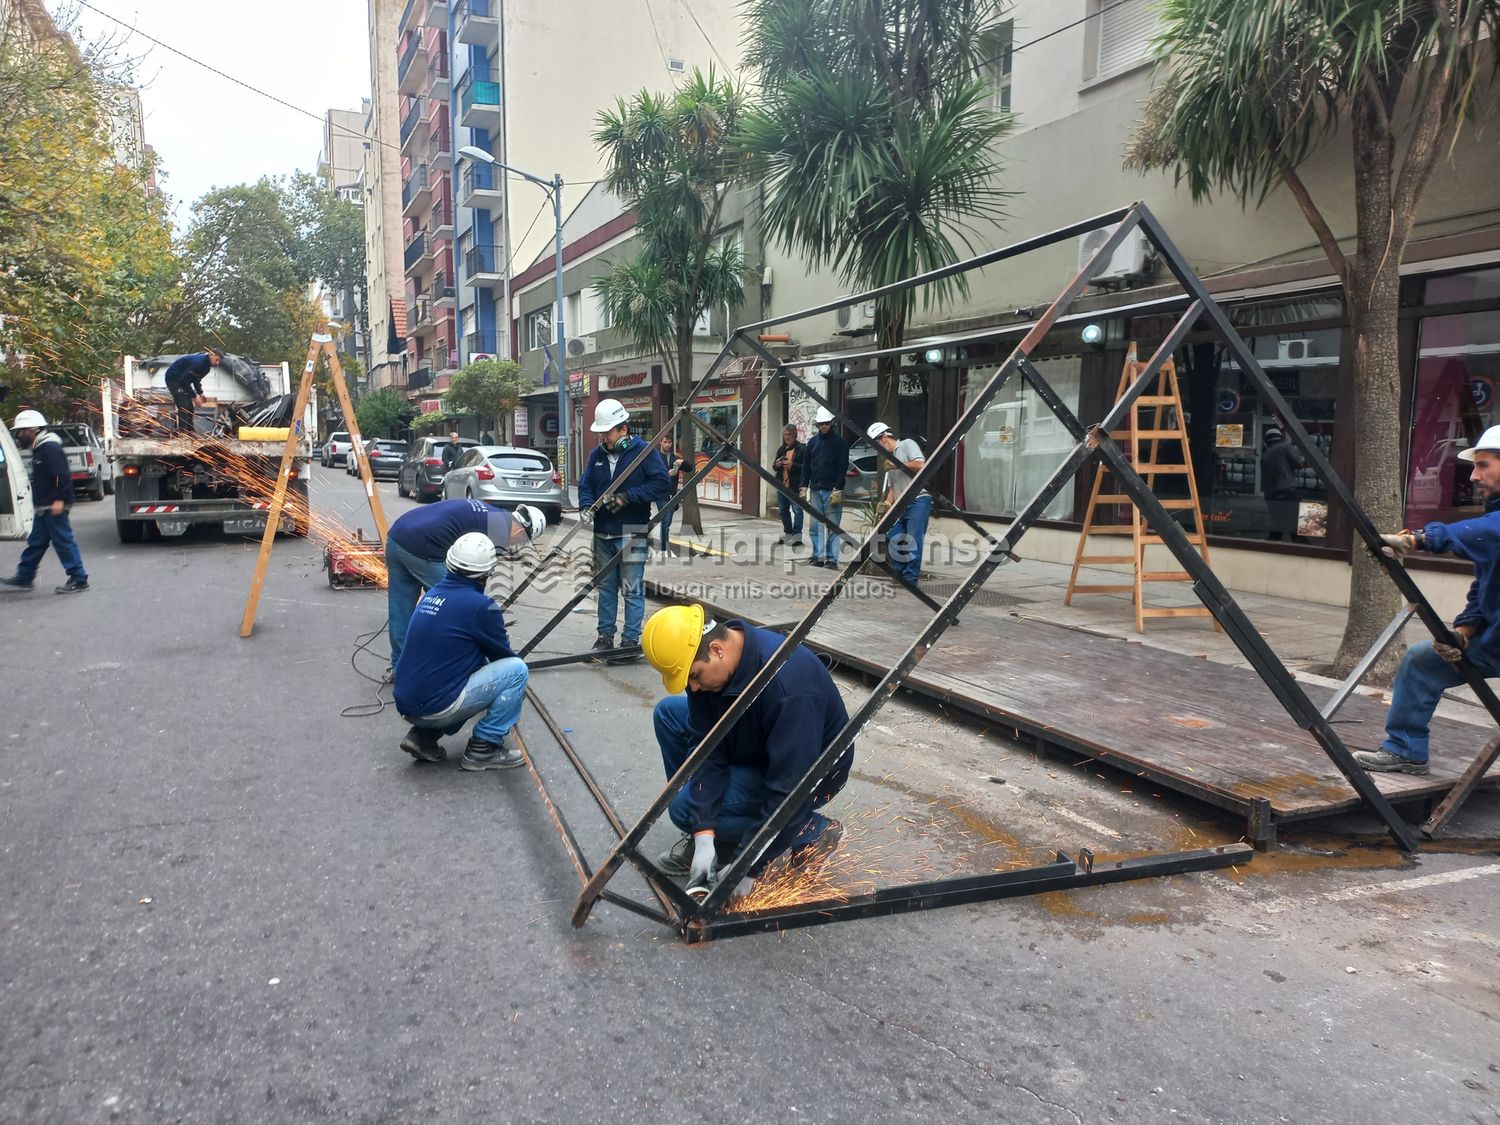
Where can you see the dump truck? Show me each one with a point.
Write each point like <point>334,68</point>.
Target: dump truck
<point>222,473</point>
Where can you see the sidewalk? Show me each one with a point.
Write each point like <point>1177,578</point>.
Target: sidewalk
<point>1304,634</point>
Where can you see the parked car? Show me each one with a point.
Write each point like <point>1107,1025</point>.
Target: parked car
<point>865,473</point>
<point>504,475</point>
<point>422,471</point>
<point>385,457</point>
<point>93,475</point>
<point>336,449</point>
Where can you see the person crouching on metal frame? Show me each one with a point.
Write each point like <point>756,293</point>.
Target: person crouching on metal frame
<point>458,663</point>
<point>763,757</point>
<point>1429,668</point>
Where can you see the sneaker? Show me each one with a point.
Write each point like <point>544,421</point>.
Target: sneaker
<point>810,857</point>
<point>602,642</point>
<point>423,745</point>
<point>678,859</point>
<point>72,586</point>
<point>482,755</point>
<point>1383,761</point>
<point>16,582</point>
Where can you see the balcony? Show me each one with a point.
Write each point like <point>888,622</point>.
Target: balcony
<point>442,219</point>
<point>421,314</point>
<point>436,14</point>
<point>440,149</point>
<point>416,113</point>
<point>410,78</point>
<point>418,379</point>
<point>480,343</point>
<point>417,192</point>
<point>437,64</point>
<point>406,13</point>
<point>416,249</point>
<point>476,23</point>
<point>443,294</point>
<point>483,265</point>
<point>479,100</point>
<point>480,187</point>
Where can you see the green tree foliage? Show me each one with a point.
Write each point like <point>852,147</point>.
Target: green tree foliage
<point>673,158</point>
<point>429,423</point>
<point>330,240</point>
<point>379,413</point>
<point>489,389</point>
<point>1246,93</point>
<point>876,135</point>
<point>87,270</point>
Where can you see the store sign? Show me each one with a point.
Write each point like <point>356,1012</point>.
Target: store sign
<point>620,382</point>
<point>1229,400</point>
<point>520,422</point>
<point>1482,391</point>
<point>547,425</point>
<point>1229,436</point>
<point>432,406</point>
<point>641,400</point>
<point>720,392</point>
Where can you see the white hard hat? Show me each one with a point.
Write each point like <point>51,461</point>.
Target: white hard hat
<point>531,519</point>
<point>823,415</point>
<point>472,554</point>
<point>877,431</point>
<point>608,414</point>
<point>29,420</point>
<point>1489,441</point>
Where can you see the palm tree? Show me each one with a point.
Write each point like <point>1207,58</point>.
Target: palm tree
<point>876,134</point>
<point>671,158</point>
<point>1248,91</point>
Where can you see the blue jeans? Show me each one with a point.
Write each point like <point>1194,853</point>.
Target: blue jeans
<point>825,543</point>
<point>791,514</point>
<point>1420,683</point>
<point>906,538</point>
<point>56,531</point>
<point>498,689</point>
<point>666,527</point>
<point>743,810</point>
<point>630,573</point>
<point>407,575</point>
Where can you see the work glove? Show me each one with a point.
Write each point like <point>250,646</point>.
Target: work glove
<point>1398,544</point>
<point>1452,653</point>
<point>705,864</point>
<point>586,516</point>
<point>617,502</point>
<point>836,497</point>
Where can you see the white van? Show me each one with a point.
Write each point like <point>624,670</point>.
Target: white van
<point>15,490</point>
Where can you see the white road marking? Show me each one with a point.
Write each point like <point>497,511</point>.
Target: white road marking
<point>1395,886</point>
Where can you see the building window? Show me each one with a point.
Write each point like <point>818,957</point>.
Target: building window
<point>603,317</point>
<point>1453,398</point>
<point>538,329</point>
<point>997,64</point>
<point>1017,443</point>
<point>1124,34</point>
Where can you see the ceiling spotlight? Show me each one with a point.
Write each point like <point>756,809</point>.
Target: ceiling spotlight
<point>1092,335</point>
<point>933,355</point>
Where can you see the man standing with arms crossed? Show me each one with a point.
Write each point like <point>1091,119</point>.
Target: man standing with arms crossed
<point>824,467</point>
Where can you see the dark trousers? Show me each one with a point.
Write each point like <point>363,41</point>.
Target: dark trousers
<point>791,514</point>
<point>56,532</point>
<point>183,397</point>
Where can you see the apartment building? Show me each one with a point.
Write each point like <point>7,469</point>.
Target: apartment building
<point>385,276</point>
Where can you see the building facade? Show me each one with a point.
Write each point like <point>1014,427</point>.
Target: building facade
<point>385,276</point>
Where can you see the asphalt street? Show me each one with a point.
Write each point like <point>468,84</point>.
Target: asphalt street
<point>223,900</point>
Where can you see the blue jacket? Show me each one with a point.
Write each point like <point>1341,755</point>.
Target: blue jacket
<point>455,630</point>
<point>429,531</point>
<point>1477,540</point>
<point>644,487</point>
<point>187,371</point>
<point>51,475</point>
<point>826,462</point>
<point>781,735</point>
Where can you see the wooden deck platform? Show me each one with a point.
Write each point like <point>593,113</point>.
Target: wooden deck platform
<point>1208,730</point>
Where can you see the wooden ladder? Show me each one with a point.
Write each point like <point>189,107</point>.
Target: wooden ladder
<point>1164,425</point>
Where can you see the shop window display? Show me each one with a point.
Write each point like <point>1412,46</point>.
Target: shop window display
<point>1017,442</point>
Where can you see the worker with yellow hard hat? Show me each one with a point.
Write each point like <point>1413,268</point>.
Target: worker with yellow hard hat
<point>705,665</point>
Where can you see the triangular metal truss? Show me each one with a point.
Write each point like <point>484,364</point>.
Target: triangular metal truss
<point>709,918</point>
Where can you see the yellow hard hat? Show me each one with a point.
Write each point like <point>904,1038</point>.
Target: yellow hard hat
<point>670,641</point>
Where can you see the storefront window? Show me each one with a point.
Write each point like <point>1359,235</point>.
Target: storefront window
<point>1017,443</point>
<point>1453,402</point>
<point>722,484</point>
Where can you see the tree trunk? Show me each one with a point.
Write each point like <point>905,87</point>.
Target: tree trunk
<point>1372,290</point>
<point>890,332</point>
<point>688,513</point>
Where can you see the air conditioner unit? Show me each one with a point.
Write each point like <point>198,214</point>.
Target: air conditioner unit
<point>855,320</point>
<point>582,345</point>
<point>1296,349</point>
<point>1129,261</point>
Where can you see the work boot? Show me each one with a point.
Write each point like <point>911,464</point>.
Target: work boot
<point>810,857</point>
<point>423,745</point>
<point>602,642</point>
<point>678,859</point>
<point>480,754</point>
<point>72,586</point>
<point>627,657</point>
<point>16,582</point>
<point>1383,761</point>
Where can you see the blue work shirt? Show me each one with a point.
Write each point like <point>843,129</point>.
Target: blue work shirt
<point>645,486</point>
<point>1477,540</point>
<point>187,371</point>
<point>455,630</point>
<point>429,531</point>
<point>788,726</point>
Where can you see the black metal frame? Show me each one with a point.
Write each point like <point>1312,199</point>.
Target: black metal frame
<point>711,917</point>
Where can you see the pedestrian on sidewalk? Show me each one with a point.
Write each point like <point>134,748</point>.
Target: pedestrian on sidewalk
<point>825,463</point>
<point>416,547</point>
<point>1431,667</point>
<point>788,469</point>
<point>668,450</point>
<point>458,663</point>
<point>1279,463</point>
<point>909,533</point>
<point>185,383</point>
<point>705,666</point>
<point>620,522</point>
<point>52,495</point>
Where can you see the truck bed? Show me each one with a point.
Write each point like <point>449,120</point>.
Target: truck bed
<point>189,445</point>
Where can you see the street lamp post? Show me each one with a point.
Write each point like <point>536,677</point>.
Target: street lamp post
<point>553,188</point>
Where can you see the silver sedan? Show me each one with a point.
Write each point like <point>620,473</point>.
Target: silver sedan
<point>506,476</point>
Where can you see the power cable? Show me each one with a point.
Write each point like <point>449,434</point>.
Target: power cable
<point>362,643</point>
<point>656,34</point>
<point>694,17</point>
